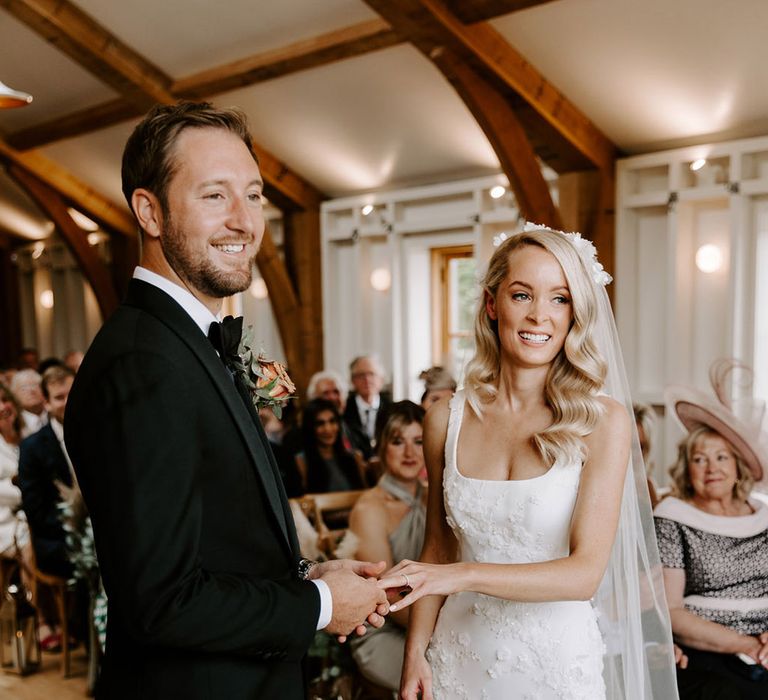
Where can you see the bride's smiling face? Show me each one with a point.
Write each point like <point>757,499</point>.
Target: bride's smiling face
<point>532,308</point>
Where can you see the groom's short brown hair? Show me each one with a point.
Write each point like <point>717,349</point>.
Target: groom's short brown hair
<point>147,158</point>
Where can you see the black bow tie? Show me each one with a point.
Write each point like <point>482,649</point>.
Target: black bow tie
<point>225,338</point>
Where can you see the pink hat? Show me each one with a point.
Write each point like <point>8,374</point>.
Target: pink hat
<point>695,409</point>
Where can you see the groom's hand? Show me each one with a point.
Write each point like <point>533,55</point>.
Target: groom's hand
<point>355,599</point>
<point>366,569</point>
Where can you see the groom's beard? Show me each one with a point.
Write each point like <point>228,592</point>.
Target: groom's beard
<point>197,270</point>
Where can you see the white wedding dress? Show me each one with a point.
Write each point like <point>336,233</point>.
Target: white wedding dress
<point>486,648</point>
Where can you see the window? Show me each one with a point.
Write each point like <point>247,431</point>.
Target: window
<point>454,296</point>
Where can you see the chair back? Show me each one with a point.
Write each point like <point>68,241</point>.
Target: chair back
<point>329,513</point>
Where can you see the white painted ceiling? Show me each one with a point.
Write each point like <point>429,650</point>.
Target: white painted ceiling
<point>648,73</point>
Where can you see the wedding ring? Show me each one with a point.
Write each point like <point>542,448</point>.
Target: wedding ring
<point>407,582</point>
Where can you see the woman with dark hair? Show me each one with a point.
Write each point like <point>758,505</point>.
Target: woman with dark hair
<point>387,523</point>
<point>325,465</point>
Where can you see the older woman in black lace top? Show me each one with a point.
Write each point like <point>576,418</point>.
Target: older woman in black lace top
<point>713,541</point>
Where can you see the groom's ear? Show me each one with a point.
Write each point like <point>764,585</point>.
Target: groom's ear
<point>148,212</point>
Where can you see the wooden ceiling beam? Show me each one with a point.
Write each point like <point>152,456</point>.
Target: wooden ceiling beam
<point>142,86</point>
<point>75,124</point>
<point>337,45</point>
<point>95,205</point>
<point>348,42</point>
<point>78,35</point>
<point>342,43</point>
<point>480,10</point>
<point>334,46</point>
<point>507,137</point>
<point>94,269</point>
<point>286,306</point>
<point>429,25</point>
<point>282,186</point>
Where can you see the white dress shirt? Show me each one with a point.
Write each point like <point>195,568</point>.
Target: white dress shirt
<point>203,317</point>
<point>367,413</point>
<point>32,422</point>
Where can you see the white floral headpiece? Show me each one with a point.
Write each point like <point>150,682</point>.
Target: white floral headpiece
<point>586,250</point>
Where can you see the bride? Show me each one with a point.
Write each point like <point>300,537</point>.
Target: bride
<point>532,458</point>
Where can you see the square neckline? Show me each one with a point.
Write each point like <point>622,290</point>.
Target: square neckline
<point>458,412</point>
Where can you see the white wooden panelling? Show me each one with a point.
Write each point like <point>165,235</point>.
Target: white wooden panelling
<point>759,219</point>
<point>665,212</point>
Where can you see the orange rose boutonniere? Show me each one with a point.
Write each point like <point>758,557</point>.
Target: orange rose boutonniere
<point>266,379</point>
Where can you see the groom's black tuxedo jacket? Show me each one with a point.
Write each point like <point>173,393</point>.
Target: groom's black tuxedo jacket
<point>194,536</point>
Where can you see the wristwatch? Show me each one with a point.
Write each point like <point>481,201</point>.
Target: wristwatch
<point>305,567</point>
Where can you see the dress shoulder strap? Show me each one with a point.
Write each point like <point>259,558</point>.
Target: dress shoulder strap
<point>455,415</point>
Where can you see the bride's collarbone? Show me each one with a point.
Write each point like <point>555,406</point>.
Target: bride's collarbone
<point>508,455</point>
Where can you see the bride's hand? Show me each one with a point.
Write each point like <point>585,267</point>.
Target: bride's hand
<point>422,579</point>
<point>416,680</point>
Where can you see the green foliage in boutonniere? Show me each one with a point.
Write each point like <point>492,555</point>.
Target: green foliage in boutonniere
<point>267,380</point>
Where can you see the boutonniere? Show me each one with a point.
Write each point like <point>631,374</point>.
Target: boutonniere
<point>267,381</point>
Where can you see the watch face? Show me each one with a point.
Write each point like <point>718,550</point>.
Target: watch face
<point>305,566</point>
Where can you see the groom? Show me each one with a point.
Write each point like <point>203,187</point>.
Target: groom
<point>208,597</point>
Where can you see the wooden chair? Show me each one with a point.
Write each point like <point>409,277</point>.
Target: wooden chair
<point>60,591</point>
<point>318,507</point>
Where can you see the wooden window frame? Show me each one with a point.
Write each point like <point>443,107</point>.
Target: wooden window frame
<point>440,260</point>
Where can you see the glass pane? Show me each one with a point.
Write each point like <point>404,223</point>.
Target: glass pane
<point>462,348</point>
<point>462,294</point>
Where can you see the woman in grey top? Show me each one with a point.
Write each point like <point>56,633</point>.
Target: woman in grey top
<point>713,542</point>
<point>388,523</point>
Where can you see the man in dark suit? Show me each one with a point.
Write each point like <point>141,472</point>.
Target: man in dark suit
<point>43,464</point>
<point>45,479</point>
<point>366,403</point>
<point>208,597</point>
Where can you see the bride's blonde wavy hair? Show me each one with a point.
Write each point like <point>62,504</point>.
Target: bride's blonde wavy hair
<point>578,371</point>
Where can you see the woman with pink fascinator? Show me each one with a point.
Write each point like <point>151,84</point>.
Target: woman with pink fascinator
<point>713,542</point>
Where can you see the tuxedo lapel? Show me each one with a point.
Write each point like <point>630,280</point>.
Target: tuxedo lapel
<point>156,302</point>
<point>278,480</point>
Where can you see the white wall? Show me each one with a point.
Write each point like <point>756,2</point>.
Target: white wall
<point>675,320</point>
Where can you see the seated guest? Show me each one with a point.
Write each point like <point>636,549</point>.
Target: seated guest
<point>366,400</point>
<point>44,468</point>
<point>10,495</point>
<point>388,523</point>
<point>324,464</point>
<point>329,385</point>
<point>26,387</point>
<point>47,363</point>
<point>713,541</point>
<point>438,383</point>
